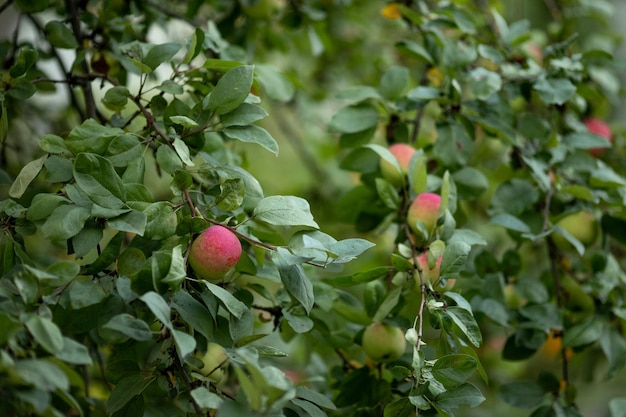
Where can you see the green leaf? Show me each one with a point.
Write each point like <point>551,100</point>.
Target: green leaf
<point>393,82</point>
<point>129,326</point>
<point>465,323</point>
<point>484,83</point>
<point>184,121</point>
<point>91,136</point>
<point>25,61</point>
<point>454,258</point>
<point>388,304</point>
<point>464,394</point>
<point>285,211</point>
<point>453,146</point>
<point>46,333</point>
<point>32,6</point>
<point>354,119</point>
<point>522,394</point>
<point>194,313</point>
<point>108,256</point>
<point>315,397</point>
<point>274,84</point>
<point>510,222</point>
<point>64,222</point>
<point>26,176</point>
<point>206,399</point>
<point>116,98</point>
<point>195,45</point>
<point>60,36</point>
<point>158,54</point>
<point>85,293</point>
<point>158,306</point>
<point>127,388</point>
<point>96,176</point>
<point>586,140</point>
<point>74,352</point>
<point>168,159</point>
<point>348,249</point>
<point>453,370</point>
<point>42,374</point>
<point>231,90</point>
<point>584,333</point>
<point>299,323</point>
<point>243,115</point>
<point>233,305</point>
<point>131,222</point>
<point>617,407</point>
<point>310,409</point>
<point>185,343</point>
<point>295,280</point>
<point>555,90</point>
<point>253,134</point>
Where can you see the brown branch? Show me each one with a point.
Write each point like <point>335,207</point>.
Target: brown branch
<point>183,374</point>
<point>90,101</point>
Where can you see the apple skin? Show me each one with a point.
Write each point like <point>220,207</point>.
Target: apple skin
<point>403,154</point>
<point>214,253</point>
<point>432,275</point>
<point>214,357</point>
<point>424,208</point>
<point>383,342</point>
<point>598,127</point>
<point>582,225</point>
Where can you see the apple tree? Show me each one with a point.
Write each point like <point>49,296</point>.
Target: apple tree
<point>145,271</point>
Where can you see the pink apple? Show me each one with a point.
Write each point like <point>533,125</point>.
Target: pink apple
<point>599,127</point>
<point>403,154</point>
<point>425,208</point>
<point>214,253</point>
<point>432,275</point>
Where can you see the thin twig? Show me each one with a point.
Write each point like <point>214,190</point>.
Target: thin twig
<point>6,5</point>
<point>183,374</point>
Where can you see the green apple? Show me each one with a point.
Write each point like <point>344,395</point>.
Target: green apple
<point>261,9</point>
<point>214,253</point>
<point>403,154</point>
<point>578,304</point>
<point>582,225</point>
<point>383,342</point>
<point>598,127</point>
<point>214,360</point>
<point>424,209</point>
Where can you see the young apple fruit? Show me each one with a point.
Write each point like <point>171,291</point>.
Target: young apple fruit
<point>214,253</point>
<point>213,360</point>
<point>582,225</point>
<point>425,209</point>
<point>599,127</point>
<point>432,275</point>
<point>403,154</point>
<point>383,342</point>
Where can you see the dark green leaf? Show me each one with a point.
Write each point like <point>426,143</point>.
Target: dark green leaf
<point>253,134</point>
<point>523,394</point>
<point>354,119</point>
<point>64,222</point>
<point>129,326</point>
<point>96,176</point>
<point>127,388</point>
<point>158,54</point>
<point>46,333</point>
<point>285,211</point>
<point>60,35</point>
<point>453,370</point>
<point>231,90</point>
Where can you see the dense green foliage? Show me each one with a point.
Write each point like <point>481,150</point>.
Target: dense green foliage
<point>129,127</point>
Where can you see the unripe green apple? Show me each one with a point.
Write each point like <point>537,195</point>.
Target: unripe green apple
<point>582,225</point>
<point>383,342</point>
<point>214,253</point>
<point>432,275</point>
<point>425,208</point>
<point>214,359</point>
<point>578,304</point>
<point>403,154</point>
<point>599,127</point>
<point>261,9</point>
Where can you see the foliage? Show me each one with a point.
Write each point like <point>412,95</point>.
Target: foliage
<point>100,313</point>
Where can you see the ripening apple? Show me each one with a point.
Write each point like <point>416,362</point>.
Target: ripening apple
<point>214,253</point>
<point>214,359</point>
<point>261,9</point>
<point>425,208</point>
<point>599,127</point>
<point>432,275</point>
<point>383,342</point>
<point>403,154</point>
<point>582,225</point>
